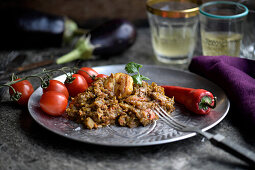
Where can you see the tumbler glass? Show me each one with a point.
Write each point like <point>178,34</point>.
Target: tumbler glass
<point>221,27</point>
<point>173,25</point>
<point>248,43</point>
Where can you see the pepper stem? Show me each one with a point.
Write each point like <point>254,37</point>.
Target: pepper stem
<point>214,105</point>
<point>206,102</point>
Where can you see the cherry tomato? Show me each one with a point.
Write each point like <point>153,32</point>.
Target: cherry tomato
<point>25,88</point>
<point>88,73</point>
<point>53,103</point>
<point>78,85</point>
<point>55,85</point>
<point>102,75</point>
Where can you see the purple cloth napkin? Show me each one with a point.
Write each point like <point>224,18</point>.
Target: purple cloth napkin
<point>235,75</point>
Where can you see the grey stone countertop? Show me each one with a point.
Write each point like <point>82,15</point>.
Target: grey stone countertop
<point>25,145</point>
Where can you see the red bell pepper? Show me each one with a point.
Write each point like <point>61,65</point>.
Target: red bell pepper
<point>199,101</point>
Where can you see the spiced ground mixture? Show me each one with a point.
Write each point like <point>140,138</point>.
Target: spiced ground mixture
<point>117,100</point>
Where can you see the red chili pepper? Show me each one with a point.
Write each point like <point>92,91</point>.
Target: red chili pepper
<point>199,101</point>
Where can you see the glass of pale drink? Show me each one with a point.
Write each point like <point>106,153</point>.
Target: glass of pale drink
<point>173,25</point>
<point>221,27</point>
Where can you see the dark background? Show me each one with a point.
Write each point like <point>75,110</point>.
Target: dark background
<point>91,12</point>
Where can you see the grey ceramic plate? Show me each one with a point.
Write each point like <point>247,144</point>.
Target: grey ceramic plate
<point>156,133</point>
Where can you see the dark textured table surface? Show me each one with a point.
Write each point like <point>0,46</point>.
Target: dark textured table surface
<point>26,145</point>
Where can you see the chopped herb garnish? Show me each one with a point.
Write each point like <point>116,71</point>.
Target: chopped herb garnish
<point>132,68</point>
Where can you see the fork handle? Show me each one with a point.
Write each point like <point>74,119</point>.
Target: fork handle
<point>233,148</point>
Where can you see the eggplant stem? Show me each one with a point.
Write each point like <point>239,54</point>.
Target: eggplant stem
<point>80,31</point>
<point>83,50</point>
<point>72,30</point>
<point>73,55</point>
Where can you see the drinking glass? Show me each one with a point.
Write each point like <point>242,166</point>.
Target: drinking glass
<point>221,27</point>
<point>173,26</point>
<point>248,44</point>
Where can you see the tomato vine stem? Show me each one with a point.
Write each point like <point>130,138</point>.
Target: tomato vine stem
<point>39,75</point>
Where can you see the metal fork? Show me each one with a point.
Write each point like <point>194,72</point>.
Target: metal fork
<point>216,139</point>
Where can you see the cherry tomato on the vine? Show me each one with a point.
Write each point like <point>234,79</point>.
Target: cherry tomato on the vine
<point>102,75</point>
<point>53,103</point>
<point>88,73</point>
<point>25,88</point>
<point>78,85</point>
<point>55,85</point>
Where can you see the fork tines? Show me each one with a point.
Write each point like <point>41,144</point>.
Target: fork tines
<point>163,115</point>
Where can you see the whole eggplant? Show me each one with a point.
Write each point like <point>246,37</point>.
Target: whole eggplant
<point>108,39</point>
<point>113,37</point>
<point>26,28</point>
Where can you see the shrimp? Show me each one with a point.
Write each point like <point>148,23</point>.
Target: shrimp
<point>120,84</point>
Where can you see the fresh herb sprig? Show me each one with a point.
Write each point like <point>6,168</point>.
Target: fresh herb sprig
<point>133,68</point>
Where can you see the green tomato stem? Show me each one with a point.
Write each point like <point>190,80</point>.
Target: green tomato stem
<point>5,85</point>
<point>30,76</point>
